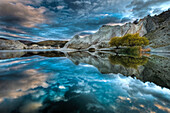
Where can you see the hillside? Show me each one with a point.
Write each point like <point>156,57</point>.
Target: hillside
<point>53,43</point>
<point>6,44</point>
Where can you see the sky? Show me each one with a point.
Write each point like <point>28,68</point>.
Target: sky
<point>38,20</point>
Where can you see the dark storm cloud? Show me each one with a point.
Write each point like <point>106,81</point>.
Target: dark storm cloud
<point>141,8</point>
<point>62,19</point>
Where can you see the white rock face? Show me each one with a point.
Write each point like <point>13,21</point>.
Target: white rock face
<point>145,26</point>
<point>101,38</point>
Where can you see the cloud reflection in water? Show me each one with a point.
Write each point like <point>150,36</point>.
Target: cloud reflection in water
<point>57,85</point>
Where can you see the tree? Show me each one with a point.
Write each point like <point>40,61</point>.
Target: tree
<point>146,41</point>
<point>126,40</point>
<point>115,41</point>
<point>129,40</point>
<point>134,40</point>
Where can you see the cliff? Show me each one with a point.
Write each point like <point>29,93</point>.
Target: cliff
<point>155,28</point>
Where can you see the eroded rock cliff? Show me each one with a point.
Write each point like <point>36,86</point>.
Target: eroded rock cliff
<point>156,28</point>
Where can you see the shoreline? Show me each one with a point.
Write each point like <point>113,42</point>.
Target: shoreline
<point>73,50</point>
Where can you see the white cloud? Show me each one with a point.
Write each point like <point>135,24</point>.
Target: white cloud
<point>60,7</point>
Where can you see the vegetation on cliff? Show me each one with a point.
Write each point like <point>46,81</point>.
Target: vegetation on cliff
<point>129,40</point>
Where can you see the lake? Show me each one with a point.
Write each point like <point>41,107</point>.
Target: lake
<point>83,82</point>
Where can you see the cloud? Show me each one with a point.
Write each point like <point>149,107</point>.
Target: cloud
<point>141,8</point>
<point>62,19</point>
<point>18,19</point>
<point>60,7</point>
<point>19,14</point>
<point>13,35</point>
<point>12,29</point>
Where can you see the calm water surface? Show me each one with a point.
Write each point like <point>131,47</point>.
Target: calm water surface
<point>55,82</point>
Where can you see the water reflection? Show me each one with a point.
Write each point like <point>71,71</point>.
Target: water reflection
<point>54,84</point>
<point>128,61</point>
<point>14,54</point>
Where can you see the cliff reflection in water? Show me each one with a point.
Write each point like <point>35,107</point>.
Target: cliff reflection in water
<point>146,68</point>
<point>41,82</point>
<point>107,63</point>
<point>142,66</point>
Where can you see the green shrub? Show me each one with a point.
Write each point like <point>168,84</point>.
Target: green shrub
<point>116,41</point>
<point>129,40</point>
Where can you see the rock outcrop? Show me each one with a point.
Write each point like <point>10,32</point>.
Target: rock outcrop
<point>155,28</point>
<point>11,45</point>
<point>159,33</point>
<point>6,44</point>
